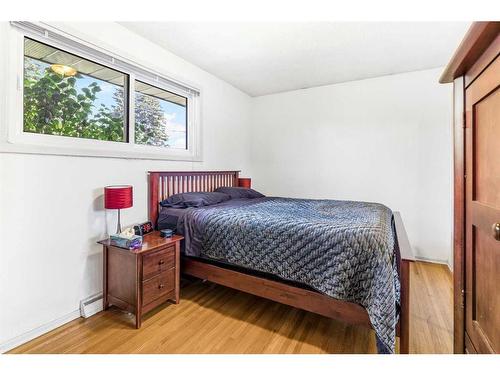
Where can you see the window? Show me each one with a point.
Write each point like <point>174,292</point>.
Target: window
<point>160,117</point>
<point>67,95</point>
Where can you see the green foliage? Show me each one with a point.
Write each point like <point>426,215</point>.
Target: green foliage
<point>150,126</point>
<point>52,105</point>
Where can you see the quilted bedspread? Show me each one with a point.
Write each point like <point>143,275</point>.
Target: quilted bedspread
<point>343,249</point>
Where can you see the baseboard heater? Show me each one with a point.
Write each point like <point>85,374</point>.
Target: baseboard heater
<point>91,305</point>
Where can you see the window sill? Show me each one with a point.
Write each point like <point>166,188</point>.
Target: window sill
<point>99,149</point>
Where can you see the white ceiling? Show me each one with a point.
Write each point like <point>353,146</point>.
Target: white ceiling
<point>263,58</point>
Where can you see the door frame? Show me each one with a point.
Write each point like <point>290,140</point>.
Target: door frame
<point>459,215</point>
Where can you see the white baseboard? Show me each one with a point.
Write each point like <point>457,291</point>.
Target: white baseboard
<point>34,333</point>
<point>429,260</point>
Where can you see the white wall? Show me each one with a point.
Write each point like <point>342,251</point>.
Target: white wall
<point>51,207</point>
<point>386,140</point>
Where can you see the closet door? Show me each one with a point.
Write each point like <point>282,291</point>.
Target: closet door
<point>482,207</point>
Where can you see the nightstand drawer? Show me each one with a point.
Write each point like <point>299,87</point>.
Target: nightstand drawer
<point>158,261</point>
<point>158,286</point>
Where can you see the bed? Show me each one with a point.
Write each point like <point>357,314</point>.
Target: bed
<point>303,253</point>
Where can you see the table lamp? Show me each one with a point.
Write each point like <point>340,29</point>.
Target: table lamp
<point>118,197</point>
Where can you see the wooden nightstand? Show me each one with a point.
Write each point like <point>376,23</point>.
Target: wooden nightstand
<point>140,280</point>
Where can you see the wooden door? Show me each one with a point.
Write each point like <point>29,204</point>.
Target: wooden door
<point>482,212</point>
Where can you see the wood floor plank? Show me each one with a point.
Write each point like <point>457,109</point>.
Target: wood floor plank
<point>215,319</point>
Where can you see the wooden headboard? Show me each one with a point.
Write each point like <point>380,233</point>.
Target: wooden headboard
<point>164,184</point>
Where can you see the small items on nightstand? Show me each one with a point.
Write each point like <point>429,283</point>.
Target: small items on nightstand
<point>144,228</point>
<point>140,280</point>
<point>166,233</point>
<point>126,239</point>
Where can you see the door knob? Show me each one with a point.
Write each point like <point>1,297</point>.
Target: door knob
<point>496,231</point>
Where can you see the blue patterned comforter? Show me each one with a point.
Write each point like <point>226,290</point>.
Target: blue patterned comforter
<point>343,249</point>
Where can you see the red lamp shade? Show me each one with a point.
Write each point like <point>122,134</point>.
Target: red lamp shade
<point>245,182</point>
<point>118,196</point>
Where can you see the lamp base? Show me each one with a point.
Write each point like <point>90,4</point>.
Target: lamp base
<point>118,226</point>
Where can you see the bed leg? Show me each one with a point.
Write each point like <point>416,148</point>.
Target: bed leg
<point>404,318</point>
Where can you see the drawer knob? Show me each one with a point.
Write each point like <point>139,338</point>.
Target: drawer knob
<point>161,262</point>
<point>161,286</point>
<point>496,231</point>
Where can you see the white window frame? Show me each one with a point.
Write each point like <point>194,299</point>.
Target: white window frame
<point>14,139</point>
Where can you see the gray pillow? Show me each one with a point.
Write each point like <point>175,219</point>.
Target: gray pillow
<point>194,199</point>
<point>239,192</point>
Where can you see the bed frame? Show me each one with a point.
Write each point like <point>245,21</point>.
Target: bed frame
<point>164,184</point>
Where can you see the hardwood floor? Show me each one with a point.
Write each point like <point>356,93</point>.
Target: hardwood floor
<point>215,319</point>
